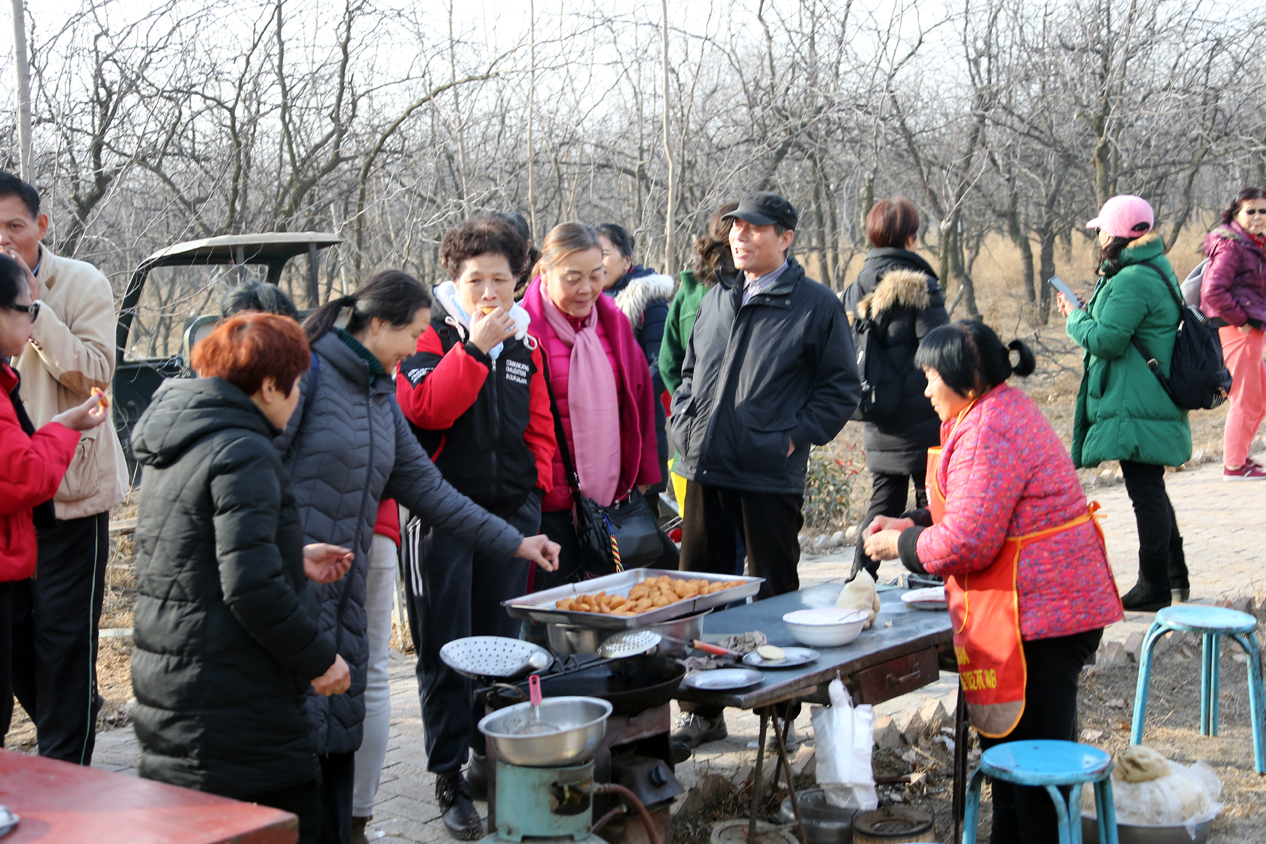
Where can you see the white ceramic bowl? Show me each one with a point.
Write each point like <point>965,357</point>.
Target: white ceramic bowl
<point>827,627</point>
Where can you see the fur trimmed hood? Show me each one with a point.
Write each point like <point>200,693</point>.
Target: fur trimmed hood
<point>899,287</point>
<point>640,292</point>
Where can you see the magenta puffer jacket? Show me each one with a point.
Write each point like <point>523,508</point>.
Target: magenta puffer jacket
<point>1234,286</point>
<point>1005,473</point>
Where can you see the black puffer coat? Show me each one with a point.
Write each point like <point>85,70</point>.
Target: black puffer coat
<point>780,367</point>
<point>226,636</point>
<point>347,447</point>
<point>899,289</point>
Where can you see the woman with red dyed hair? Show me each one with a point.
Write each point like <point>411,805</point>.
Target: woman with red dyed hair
<point>227,643</point>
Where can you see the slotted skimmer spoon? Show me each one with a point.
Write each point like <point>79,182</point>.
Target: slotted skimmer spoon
<point>619,646</point>
<point>494,657</point>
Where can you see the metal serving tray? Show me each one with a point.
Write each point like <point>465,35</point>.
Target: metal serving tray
<point>539,606</point>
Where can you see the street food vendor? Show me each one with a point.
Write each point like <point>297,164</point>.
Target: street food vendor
<point>1008,527</point>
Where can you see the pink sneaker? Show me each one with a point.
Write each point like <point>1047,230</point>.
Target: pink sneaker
<point>1250,471</point>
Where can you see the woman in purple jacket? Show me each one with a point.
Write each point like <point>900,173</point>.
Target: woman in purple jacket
<point>1234,290</point>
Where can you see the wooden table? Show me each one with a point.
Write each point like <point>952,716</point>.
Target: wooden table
<point>61,802</point>
<point>882,663</point>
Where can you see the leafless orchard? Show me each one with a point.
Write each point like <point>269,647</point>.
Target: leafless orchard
<point>1002,119</point>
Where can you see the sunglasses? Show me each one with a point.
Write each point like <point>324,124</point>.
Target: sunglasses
<point>1253,211</point>
<point>25,309</point>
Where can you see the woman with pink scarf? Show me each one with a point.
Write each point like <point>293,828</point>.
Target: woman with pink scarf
<point>601,382</point>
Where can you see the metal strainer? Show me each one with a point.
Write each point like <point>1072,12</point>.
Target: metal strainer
<point>627,644</point>
<point>494,657</point>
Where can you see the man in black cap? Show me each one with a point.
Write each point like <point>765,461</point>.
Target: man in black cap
<point>768,372</point>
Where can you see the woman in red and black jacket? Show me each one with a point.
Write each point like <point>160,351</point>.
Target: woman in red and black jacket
<point>476,396</point>
<point>32,462</point>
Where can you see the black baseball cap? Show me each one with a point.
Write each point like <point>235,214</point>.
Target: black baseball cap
<point>762,208</point>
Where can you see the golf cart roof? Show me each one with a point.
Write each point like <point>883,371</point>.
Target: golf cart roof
<point>271,248</point>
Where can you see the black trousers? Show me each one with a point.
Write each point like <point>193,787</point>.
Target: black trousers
<point>1050,712</point>
<point>6,663</point>
<point>888,497</point>
<point>768,521</point>
<point>55,618</point>
<point>303,801</point>
<point>455,592</point>
<point>338,778</point>
<point>1162,563</point>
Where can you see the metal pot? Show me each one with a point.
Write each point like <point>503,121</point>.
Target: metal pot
<point>1132,834</point>
<point>823,823</point>
<point>569,639</point>
<point>581,722</point>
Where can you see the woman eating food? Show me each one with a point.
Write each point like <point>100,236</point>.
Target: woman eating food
<point>475,394</point>
<point>1010,530</point>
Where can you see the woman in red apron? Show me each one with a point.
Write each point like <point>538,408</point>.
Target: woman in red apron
<point>1009,528</point>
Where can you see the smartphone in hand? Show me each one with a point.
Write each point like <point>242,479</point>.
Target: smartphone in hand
<point>1059,284</point>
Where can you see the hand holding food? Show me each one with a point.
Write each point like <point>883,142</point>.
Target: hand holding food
<point>336,680</point>
<point>651,593</point>
<point>488,328</point>
<point>86,416</point>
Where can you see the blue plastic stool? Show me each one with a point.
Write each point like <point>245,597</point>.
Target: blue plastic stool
<point>1049,764</point>
<point>1212,623</point>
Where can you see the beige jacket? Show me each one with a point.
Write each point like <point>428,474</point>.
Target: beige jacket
<point>71,351</point>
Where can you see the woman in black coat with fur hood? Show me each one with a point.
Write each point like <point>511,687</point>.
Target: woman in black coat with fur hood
<point>897,298</point>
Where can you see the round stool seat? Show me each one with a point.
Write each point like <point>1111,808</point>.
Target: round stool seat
<point>1194,618</point>
<point>1046,762</point>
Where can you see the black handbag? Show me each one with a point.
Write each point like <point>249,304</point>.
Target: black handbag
<point>625,535</point>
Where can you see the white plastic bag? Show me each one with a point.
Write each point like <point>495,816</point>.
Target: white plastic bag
<point>845,736</point>
<point>1188,795</point>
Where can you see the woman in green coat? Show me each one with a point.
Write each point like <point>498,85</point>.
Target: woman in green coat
<point>1123,413</point>
<point>712,260</point>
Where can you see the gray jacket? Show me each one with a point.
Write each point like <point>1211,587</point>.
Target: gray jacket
<point>348,446</point>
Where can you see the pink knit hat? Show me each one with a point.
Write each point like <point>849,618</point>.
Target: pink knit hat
<point>1124,216</point>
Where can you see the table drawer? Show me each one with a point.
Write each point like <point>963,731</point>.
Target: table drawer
<point>901,675</point>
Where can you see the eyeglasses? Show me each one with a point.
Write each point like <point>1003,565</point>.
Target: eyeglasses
<point>1253,211</point>
<point>25,309</point>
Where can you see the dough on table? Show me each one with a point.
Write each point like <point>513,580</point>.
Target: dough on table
<point>859,594</point>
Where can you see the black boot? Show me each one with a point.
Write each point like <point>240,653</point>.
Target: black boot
<point>460,817</point>
<point>477,776</point>
<point>1143,599</point>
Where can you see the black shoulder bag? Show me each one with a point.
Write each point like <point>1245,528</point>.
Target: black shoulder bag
<point>1198,377</point>
<point>623,536</point>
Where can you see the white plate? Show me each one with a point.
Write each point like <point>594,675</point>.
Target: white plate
<point>795,657</point>
<point>723,679</point>
<point>932,598</point>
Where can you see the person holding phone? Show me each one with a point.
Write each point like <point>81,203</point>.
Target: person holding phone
<point>1123,413</point>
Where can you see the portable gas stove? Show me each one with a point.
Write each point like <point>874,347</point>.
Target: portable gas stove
<point>627,776</point>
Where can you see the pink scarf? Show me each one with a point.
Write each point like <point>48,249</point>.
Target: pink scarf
<point>593,404</point>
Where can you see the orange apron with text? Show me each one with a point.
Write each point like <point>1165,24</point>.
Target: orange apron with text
<point>985,611</point>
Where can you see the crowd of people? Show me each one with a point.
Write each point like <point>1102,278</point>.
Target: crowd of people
<point>468,427</point>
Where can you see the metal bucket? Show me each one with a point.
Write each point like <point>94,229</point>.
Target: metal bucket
<point>823,823</point>
<point>1132,834</point>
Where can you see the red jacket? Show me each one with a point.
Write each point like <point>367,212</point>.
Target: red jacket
<point>31,469</point>
<point>639,451</point>
<point>1005,472</point>
<point>485,423</point>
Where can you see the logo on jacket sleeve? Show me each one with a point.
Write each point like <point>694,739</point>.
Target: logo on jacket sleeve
<point>416,374</point>
<point>517,371</point>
